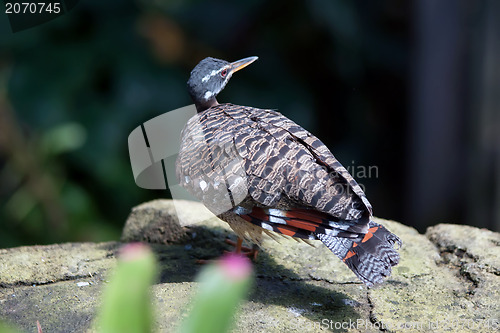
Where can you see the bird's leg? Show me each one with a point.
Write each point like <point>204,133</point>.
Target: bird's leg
<point>237,245</point>
<point>239,249</point>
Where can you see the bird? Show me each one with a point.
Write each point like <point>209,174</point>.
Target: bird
<point>264,174</point>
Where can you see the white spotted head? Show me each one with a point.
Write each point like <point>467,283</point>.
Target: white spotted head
<point>209,77</point>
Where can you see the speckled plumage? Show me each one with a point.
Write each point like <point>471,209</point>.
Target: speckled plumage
<point>261,172</point>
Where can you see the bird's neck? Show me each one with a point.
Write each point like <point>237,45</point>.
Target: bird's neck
<point>203,105</point>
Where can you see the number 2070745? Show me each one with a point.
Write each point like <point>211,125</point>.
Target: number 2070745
<point>32,7</point>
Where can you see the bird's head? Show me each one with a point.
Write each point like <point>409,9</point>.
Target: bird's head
<point>209,77</point>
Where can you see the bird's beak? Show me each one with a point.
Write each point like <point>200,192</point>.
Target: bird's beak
<point>237,65</point>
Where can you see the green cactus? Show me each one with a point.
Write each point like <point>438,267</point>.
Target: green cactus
<point>126,300</point>
<point>222,286</point>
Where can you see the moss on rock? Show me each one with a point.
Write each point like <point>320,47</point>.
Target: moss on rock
<point>447,280</point>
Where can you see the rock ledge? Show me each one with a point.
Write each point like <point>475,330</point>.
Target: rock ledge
<point>447,280</point>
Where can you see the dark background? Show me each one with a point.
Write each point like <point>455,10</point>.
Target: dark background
<point>411,88</point>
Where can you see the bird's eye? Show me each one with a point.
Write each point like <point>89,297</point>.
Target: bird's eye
<point>223,73</point>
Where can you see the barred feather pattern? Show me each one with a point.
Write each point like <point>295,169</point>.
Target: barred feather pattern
<point>255,167</point>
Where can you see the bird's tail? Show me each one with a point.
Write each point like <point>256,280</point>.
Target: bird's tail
<point>370,256</point>
<point>368,252</point>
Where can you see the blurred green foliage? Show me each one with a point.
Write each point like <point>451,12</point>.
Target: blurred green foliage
<point>222,286</point>
<point>77,86</point>
<point>127,304</point>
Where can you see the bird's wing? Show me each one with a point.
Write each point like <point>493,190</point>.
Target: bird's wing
<point>265,155</point>
<point>278,148</point>
<point>320,152</point>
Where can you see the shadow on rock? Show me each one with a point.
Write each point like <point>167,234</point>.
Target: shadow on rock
<point>326,305</point>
